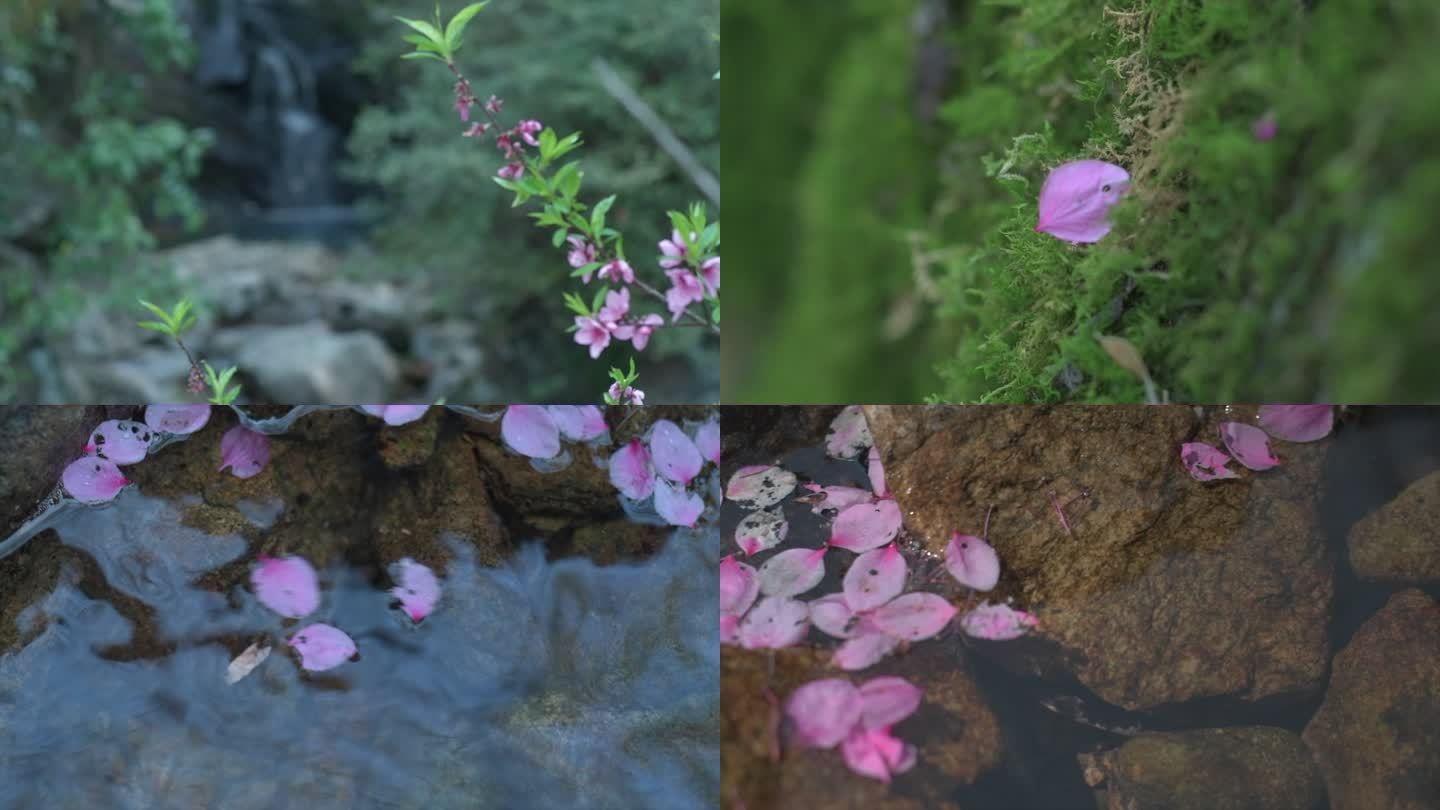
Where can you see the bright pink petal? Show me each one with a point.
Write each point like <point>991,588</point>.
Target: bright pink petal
<point>823,712</point>
<point>877,474</point>
<point>93,480</point>
<point>836,498</point>
<point>864,650</point>
<point>1297,423</point>
<point>677,506</point>
<point>887,700</point>
<point>972,561</point>
<point>738,586</point>
<point>121,440</point>
<point>774,622</point>
<point>675,455</point>
<point>707,440</point>
<point>997,622</point>
<point>631,472</point>
<point>875,578</point>
<point>1205,463</point>
<point>793,572</point>
<point>865,526</point>
<point>760,485</point>
<point>286,585</point>
<point>833,616</point>
<point>416,587</point>
<point>529,431</point>
<point>1076,199</point>
<point>579,422</point>
<point>762,530</point>
<point>849,433</point>
<point>322,647</point>
<point>863,757</point>
<point>729,628</point>
<point>178,419</point>
<point>914,616</point>
<point>1248,444</point>
<point>244,451</point>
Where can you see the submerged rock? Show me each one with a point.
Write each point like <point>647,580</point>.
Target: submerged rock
<point>37,444</point>
<point>1400,542</point>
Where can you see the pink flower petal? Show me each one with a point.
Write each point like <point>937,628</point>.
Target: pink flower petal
<point>875,578</point>
<point>120,440</point>
<point>887,700</point>
<point>631,472</point>
<point>876,754</point>
<point>877,474</point>
<point>397,414</point>
<point>914,616</point>
<point>1248,444</point>
<point>178,419</point>
<point>579,422</point>
<point>286,585</point>
<point>836,498</point>
<point>1297,423</point>
<point>863,650</point>
<point>322,647</point>
<point>823,712</point>
<point>738,586</point>
<point>1205,463</point>
<point>997,622</point>
<point>865,526</point>
<point>675,505</point>
<point>707,440</point>
<point>244,451</point>
<point>793,572</point>
<point>774,622</point>
<point>760,485</point>
<point>530,431</point>
<point>93,480</point>
<point>1076,199</point>
<point>849,433</point>
<point>729,628</point>
<point>762,530</point>
<point>972,561</point>
<point>416,587</point>
<point>832,614</point>
<point>675,455</point>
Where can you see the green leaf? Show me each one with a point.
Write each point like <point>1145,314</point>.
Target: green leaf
<point>715,314</point>
<point>559,237</point>
<point>424,55</point>
<point>156,311</point>
<point>155,326</point>
<point>589,268</point>
<point>458,22</point>
<point>597,216</point>
<point>599,298</point>
<point>430,31</point>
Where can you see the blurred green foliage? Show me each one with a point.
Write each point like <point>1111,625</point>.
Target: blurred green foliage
<point>83,160</point>
<point>1285,270</point>
<point>443,215</point>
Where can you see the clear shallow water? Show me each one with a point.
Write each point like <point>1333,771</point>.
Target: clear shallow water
<point>536,684</point>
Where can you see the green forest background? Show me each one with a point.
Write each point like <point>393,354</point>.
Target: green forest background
<point>88,142</point>
<point>887,205</point>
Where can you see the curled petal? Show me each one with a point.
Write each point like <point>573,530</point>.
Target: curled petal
<point>286,585</point>
<point>774,622</point>
<point>1248,444</point>
<point>579,422</point>
<point>677,506</point>
<point>530,431</point>
<point>93,480</point>
<point>1297,423</point>
<point>865,526</point>
<point>1205,463</point>
<point>997,622</point>
<point>793,572</point>
<point>875,578</point>
<point>823,712</point>
<point>120,440</point>
<point>877,474</point>
<point>178,419</point>
<point>738,586</point>
<point>914,616</point>
<point>972,561</point>
<point>833,616</point>
<point>244,451</point>
<point>887,700</point>
<point>322,647</point>
<point>416,587</point>
<point>760,485</point>
<point>675,455</point>
<point>849,433</point>
<point>762,530</point>
<point>864,650</point>
<point>631,471</point>
<point>707,441</point>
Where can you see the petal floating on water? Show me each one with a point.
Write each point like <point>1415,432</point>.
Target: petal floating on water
<point>761,530</point>
<point>530,431</point>
<point>792,572</point>
<point>1248,444</point>
<point>874,578</point>
<point>865,526</point>
<point>286,585</point>
<point>914,616</point>
<point>1297,423</point>
<point>997,622</point>
<point>121,440</point>
<point>675,505</point>
<point>93,479</point>
<point>322,647</point>
<point>972,561</point>
<point>246,662</point>
<point>849,433</point>
<point>244,451</point>
<point>707,441</point>
<point>631,471</point>
<point>774,622</point>
<point>760,485</point>
<point>416,587</point>
<point>579,422</point>
<point>823,712</point>
<point>178,419</point>
<point>738,586</point>
<point>674,454</point>
<point>887,700</point>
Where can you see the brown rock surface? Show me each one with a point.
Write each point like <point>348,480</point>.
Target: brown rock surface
<point>1377,735</point>
<point>36,443</point>
<point>1400,541</point>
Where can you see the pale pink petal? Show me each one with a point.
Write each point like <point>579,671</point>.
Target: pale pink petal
<point>1248,444</point>
<point>972,561</point>
<point>707,440</point>
<point>887,700</point>
<point>93,480</point>
<point>833,616</point>
<point>529,431</point>
<point>738,586</point>
<point>120,440</point>
<point>760,531</point>
<point>286,585</point>
<point>864,650</point>
<point>579,422</point>
<point>760,485</point>
<point>823,712</point>
<point>631,472</point>
<point>875,578</point>
<point>403,414</point>
<point>675,505</point>
<point>1076,199</point>
<point>1297,423</point>
<point>835,498</point>
<point>849,433</point>
<point>178,419</point>
<point>1205,463</point>
<point>793,572</point>
<point>877,474</point>
<point>914,616</point>
<point>997,622</point>
<point>674,454</point>
<point>863,757</point>
<point>244,451</point>
<point>865,526</point>
<point>322,647</point>
<point>774,622</point>
<point>416,587</point>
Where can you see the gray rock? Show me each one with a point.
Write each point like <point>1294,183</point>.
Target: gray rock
<point>310,363</point>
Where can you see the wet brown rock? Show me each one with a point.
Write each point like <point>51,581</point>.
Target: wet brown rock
<point>752,434</point>
<point>1377,735</point>
<point>1169,589</point>
<point>36,444</point>
<point>581,490</point>
<point>615,540</point>
<point>411,444</point>
<point>1241,768</point>
<point>1400,541</point>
